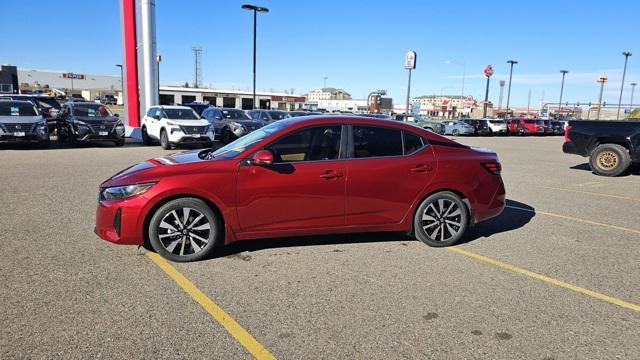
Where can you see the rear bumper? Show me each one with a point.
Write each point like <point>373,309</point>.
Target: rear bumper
<point>570,148</point>
<point>494,207</point>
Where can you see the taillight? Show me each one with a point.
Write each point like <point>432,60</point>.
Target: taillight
<point>493,167</point>
<point>566,133</point>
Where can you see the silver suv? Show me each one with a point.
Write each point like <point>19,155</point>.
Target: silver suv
<point>20,121</point>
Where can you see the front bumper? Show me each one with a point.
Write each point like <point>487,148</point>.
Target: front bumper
<point>178,137</point>
<point>117,220</point>
<point>95,133</point>
<point>34,136</point>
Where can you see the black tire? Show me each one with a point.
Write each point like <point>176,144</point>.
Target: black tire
<point>71,138</point>
<point>610,160</point>
<point>227,136</point>
<point>120,142</point>
<point>192,248</point>
<point>436,226</point>
<point>455,132</point>
<point>146,140</point>
<point>164,140</point>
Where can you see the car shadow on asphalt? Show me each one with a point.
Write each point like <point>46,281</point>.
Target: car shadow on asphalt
<point>510,219</point>
<point>633,170</point>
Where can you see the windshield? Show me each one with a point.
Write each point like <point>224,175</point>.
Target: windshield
<point>234,114</point>
<point>234,148</point>
<point>91,110</point>
<point>180,114</point>
<point>498,122</point>
<point>278,115</point>
<point>17,109</point>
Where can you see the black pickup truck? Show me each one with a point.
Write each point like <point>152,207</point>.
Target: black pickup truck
<point>612,146</point>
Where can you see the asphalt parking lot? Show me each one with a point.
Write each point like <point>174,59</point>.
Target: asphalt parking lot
<point>556,276</point>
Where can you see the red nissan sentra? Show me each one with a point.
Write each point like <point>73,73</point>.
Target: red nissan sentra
<point>303,176</point>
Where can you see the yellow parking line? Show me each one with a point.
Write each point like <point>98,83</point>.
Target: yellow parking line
<point>592,193</point>
<point>238,332</point>
<point>593,294</point>
<point>635,231</point>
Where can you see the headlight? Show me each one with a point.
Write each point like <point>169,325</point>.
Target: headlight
<point>121,192</point>
<point>79,122</point>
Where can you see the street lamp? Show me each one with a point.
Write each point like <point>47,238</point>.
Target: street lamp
<point>602,79</point>
<point>324,82</point>
<point>121,79</point>
<point>624,72</point>
<point>511,62</point>
<point>464,74</point>
<point>633,88</point>
<point>256,10</point>
<point>563,72</point>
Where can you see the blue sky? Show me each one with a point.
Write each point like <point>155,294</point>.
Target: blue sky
<point>358,45</point>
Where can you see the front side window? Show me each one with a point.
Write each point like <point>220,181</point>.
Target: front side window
<point>151,112</point>
<point>372,141</point>
<point>311,144</point>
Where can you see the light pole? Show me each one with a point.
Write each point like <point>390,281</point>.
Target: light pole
<point>158,60</point>
<point>602,79</point>
<point>488,71</point>
<point>324,82</point>
<point>511,62</point>
<point>563,72</point>
<point>633,88</point>
<point>121,80</point>
<point>409,64</point>
<point>624,72</point>
<point>502,82</point>
<point>256,10</point>
<point>464,74</point>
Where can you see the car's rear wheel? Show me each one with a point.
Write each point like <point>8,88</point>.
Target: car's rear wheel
<point>610,160</point>
<point>441,219</point>
<point>164,140</point>
<point>184,230</point>
<point>146,140</point>
<point>455,132</point>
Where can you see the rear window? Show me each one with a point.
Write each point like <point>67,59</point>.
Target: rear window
<point>371,141</point>
<point>17,109</point>
<point>412,142</point>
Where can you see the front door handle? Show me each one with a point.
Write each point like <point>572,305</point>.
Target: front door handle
<point>422,168</point>
<point>330,174</point>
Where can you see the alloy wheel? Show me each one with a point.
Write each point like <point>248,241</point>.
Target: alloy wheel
<point>607,160</point>
<point>184,231</point>
<point>442,220</point>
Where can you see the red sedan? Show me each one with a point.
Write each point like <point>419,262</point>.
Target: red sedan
<point>303,176</point>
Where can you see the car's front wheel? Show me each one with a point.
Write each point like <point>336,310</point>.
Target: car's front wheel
<point>441,219</point>
<point>146,140</point>
<point>610,160</point>
<point>455,132</point>
<point>184,229</point>
<point>164,140</point>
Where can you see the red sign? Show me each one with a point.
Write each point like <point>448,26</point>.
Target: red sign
<point>488,71</point>
<point>73,76</point>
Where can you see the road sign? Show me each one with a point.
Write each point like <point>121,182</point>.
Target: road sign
<point>488,71</point>
<point>410,60</point>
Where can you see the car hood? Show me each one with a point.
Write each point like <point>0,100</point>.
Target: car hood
<point>248,122</point>
<point>20,119</point>
<point>199,122</point>
<point>156,168</point>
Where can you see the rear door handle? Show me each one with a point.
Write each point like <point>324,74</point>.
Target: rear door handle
<point>330,174</point>
<point>422,168</point>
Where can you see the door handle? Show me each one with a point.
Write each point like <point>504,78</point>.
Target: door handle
<point>330,174</point>
<point>422,168</point>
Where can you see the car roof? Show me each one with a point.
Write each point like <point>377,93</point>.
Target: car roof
<point>83,103</point>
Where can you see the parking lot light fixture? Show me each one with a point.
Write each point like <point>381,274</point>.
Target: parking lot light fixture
<point>633,88</point>
<point>121,79</point>
<point>256,10</point>
<point>510,62</point>
<point>624,72</point>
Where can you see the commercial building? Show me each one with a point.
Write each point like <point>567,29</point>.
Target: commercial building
<point>8,79</point>
<point>446,106</point>
<point>67,81</point>
<point>170,95</point>
<point>327,94</point>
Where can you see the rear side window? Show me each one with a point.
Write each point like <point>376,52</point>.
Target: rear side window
<point>372,141</point>
<point>412,142</point>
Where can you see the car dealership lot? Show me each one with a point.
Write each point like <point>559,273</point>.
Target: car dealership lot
<point>68,294</point>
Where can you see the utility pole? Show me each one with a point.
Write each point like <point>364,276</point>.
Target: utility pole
<point>624,72</point>
<point>510,62</point>
<point>502,82</point>
<point>633,88</point>
<point>488,71</point>
<point>529,103</point>
<point>602,79</point>
<point>563,72</point>
<point>197,57</point>
<point>409,64</point>
<point>324,83</point>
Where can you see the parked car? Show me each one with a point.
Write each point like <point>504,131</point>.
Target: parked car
<point>198,107</point>
<point>268,116</point>
<point>20,121</point>
<point>77,97</point>
<point>230,124</point>
<point>303,176</point>
<point>175,125</point>
<point>548,128</point>
<point>557,127</point>
<point>522,126</point>
<point>612,146</point>
<point>107,100</point>
<point>498,126</point>
<point>419,120</point>
<point>457,128</point>
<point>480,126</point>
<point>47,106</point>
<point>89,122</point>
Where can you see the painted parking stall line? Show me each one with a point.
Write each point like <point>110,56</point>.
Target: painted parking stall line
<point>547,279</point>
<point>223,318</point>
<point>622,228</point>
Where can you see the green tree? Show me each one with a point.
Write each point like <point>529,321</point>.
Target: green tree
<point>635,114</point>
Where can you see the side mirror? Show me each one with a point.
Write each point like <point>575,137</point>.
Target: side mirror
<point>262,158</point>
<point>116,115</point>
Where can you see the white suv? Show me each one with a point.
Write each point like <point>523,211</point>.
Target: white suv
<point>175,125</point>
